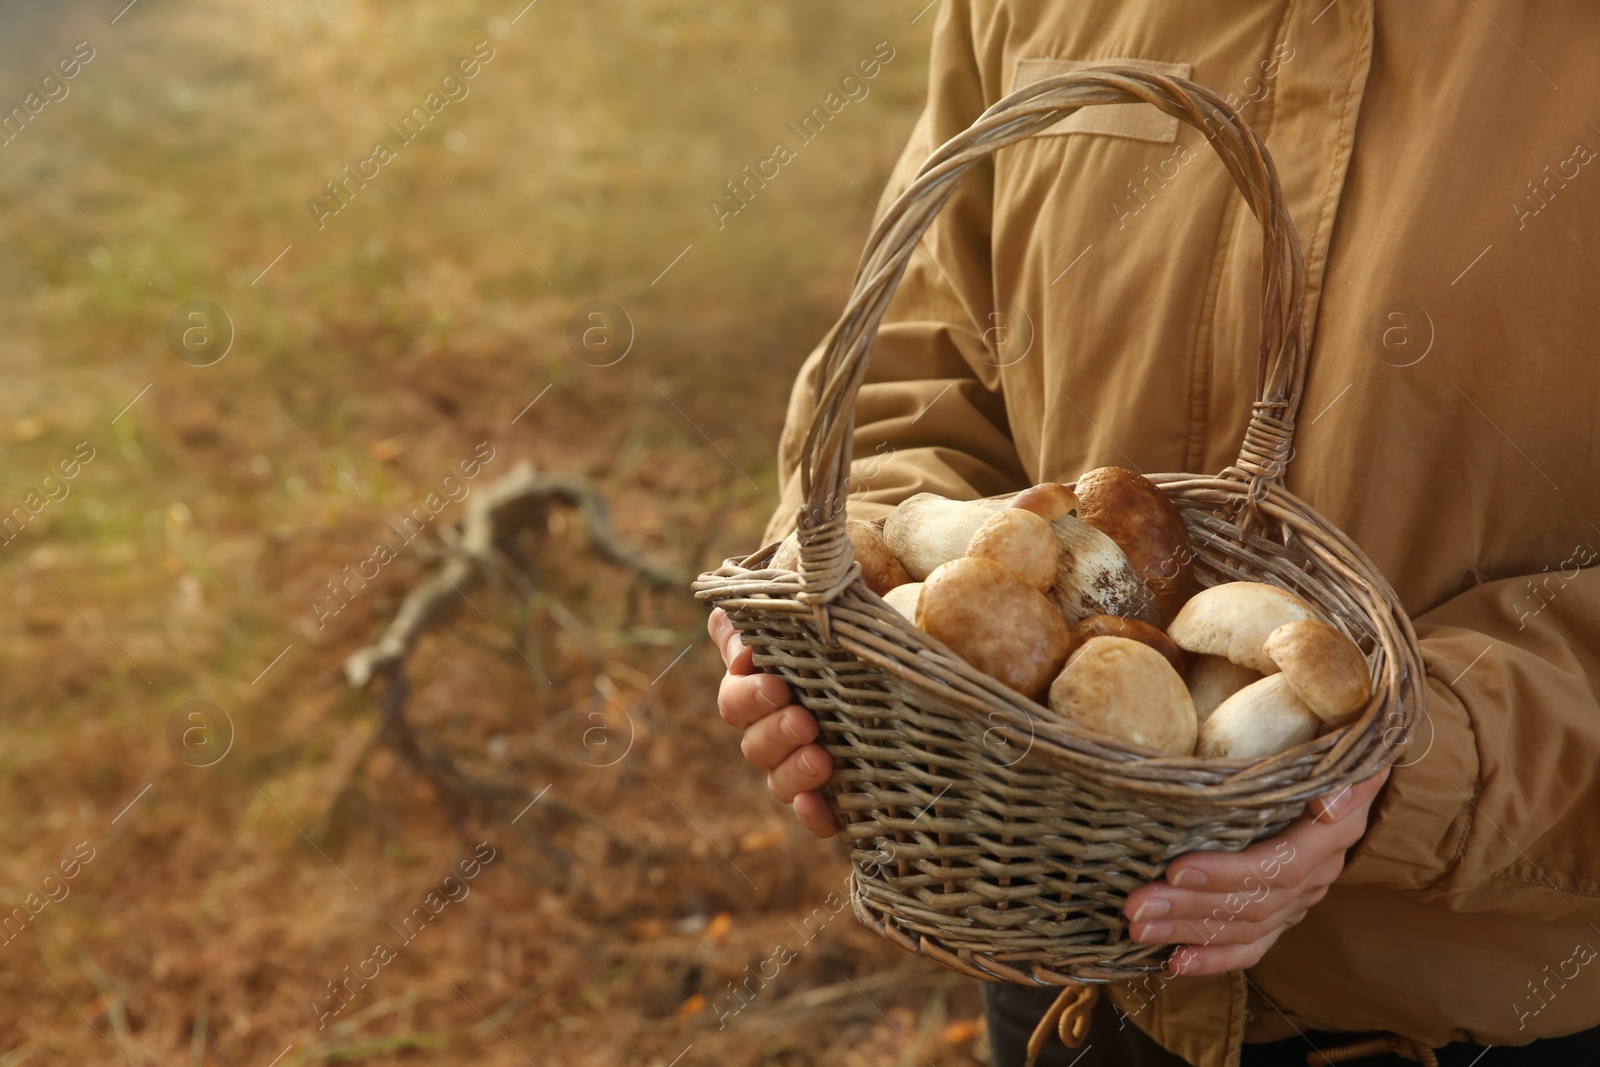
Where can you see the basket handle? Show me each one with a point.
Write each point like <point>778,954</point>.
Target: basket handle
<point>825,555</point>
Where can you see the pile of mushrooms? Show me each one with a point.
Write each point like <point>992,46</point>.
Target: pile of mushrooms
<point>1063,594</point>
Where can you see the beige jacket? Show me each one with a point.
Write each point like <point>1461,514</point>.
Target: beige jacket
<point>1440,161</point>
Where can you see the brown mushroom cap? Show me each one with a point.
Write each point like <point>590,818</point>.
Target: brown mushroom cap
<point>879,567</point>
<point>996,621</point>
<point>1324,668</point>
<point>1048,500</point>
<point>1232,620</point>
<point>1020,540</point>
<point>1147,526</point>
<point>1133,630</point>
<point>1127,690</point>
<point>1262,719</point>
<point>1213,679</point>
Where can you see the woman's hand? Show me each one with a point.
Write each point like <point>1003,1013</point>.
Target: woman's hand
<point>1228,908</point>
<point>778,734</point>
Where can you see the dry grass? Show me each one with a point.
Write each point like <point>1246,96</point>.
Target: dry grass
<point>371,358</point>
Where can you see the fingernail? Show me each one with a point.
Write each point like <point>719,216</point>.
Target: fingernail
<point>786,727</point>
<point>805,763</point>
<point>766,701</point>
<point>1153,908</point>
<point>1180,961</point>
<point>731,647</point>
<point>1188,878</point>
<point>1334,809</point>
<point>1154,932</point>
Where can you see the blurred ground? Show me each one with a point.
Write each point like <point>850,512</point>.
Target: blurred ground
<point>373,350</point>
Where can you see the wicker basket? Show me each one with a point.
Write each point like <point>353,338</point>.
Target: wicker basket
<point>986,834</point>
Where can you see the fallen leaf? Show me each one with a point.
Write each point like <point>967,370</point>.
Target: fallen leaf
<point>717,929</point>
<point>959,1032</point>
<point>762,839</point>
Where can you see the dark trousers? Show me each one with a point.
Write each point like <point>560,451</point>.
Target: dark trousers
<point>1013,1011</point>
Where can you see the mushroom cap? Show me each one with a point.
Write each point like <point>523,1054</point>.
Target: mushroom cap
<point>1048,500</point>
<point>1324,668</point>
<point>1133,629</point>
<point>904,599</point>
<point>787,555</point>
<point>1212,680</point>
<point>1145,523</point>
<point>880,569</point>
<point>1020,540</point>
<point>1127,690</point>
<point>1260,720</point>
<point>1232,620</point>
<point>990,617</point>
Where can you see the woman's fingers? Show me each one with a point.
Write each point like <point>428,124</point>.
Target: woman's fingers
<point>1219,959</point>
<point>805,769</point>
<point>813,813</point>
<point>744,700</point>
<point>1260,902</point>
<point>771,740</point>
<point>1287,859</point>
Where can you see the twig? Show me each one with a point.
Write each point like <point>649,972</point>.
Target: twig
<point>522,498</point>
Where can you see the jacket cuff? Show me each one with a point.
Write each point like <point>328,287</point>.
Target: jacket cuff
<point>1419,823</point>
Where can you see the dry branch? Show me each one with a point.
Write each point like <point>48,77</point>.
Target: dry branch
<point>485,544</point>
<point>488,541</point>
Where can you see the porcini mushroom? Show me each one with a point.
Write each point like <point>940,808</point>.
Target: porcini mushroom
<point>787,555</point>
<point>996,621</point>
<point>880,569</point>
<point>903,598</point>
<point>1093,577</point>
<point>1145,523</point>
<point>1213,679</point>
<point>1133,629</point>
<point>1127,690</point>
<point>926,530</point>
<point>1324,668</point>
<point>1048,500</point>
<point>1262,719</point>
<point>1232,620</point>
<point>1020,540</point>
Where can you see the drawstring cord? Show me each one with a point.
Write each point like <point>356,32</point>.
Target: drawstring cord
<point>1068,1017</point>
<point>1383,1044</point>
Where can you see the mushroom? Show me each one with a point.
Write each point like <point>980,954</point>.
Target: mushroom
<point>1324,668</point>
<point>1127,690</point>
<point>904,598</point>
<point>1048,500</point>
<point>1133,629</point>
<point>1262,719</point>
<point>1093,577</point>
<point>1145,523</point>
<point>1212,680</point>
<point>926,530</point>
<point>990,617</point>
<point>1232,620</point>
<point>787,556</point>
<point>880,570</point>
<point>1021,540</point>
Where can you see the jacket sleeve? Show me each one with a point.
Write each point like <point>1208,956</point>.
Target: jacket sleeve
<point>929,416</point>
<point>1494,802</point>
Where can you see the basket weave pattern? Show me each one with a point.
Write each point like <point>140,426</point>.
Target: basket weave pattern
<point>986,834</point>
